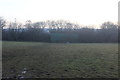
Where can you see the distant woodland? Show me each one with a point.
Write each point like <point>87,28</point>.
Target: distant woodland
<point>59,32</point>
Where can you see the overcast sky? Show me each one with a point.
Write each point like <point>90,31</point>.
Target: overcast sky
<point>79,11</point>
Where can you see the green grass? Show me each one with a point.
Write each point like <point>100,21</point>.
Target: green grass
<point>52,60</point>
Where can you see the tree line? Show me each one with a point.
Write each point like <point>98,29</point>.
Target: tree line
<point>41,31</point>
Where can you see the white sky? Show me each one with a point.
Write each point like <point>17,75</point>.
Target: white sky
<point>79,11</point>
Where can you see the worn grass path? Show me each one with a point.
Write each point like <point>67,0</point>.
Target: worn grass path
<point>51,60</point>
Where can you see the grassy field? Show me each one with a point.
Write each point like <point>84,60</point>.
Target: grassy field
<point>52,60</point>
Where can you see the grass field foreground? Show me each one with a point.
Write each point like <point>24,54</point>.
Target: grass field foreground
<point>52,60</point>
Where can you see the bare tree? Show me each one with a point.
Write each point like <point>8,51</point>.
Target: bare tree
<point>2,23</point>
